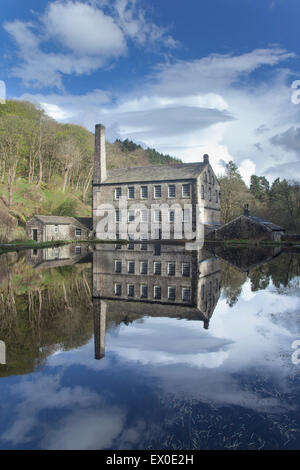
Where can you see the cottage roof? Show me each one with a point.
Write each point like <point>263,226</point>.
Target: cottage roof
<point>155,173</point>
<point>58,220</point>
<point>266,223</point>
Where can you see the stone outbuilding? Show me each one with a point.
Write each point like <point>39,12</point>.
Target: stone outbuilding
<point>43,228</point>
<point>249,227</point>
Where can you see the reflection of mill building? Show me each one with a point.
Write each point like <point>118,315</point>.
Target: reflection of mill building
<point>152,279</point>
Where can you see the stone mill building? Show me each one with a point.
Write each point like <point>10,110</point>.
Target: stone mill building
<point>188,184</point>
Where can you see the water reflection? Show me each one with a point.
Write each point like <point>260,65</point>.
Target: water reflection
<point>162,281</point>
<point>198,342</point>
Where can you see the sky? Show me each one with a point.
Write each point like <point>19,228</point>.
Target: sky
<point>186,78</point>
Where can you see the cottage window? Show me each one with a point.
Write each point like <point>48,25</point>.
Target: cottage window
<point>144,291</point>
<point>186,190</point>
<point>118,289</point>
<point>171,190</point>
<point>144,267</point>
<point>118,266</point>
<point>78,232</point>
<point>171,293</point>
<point>130,267</point>
<point>186,294</point>
<point>118,193</point>
<point>77,250</point>
<point>144,192</point>
<point>130,290</point>
<point>186,269</point>
<point>157,191</point>
<point>157,292</point>
<point>56,229</point>
<point>157,267</point>
<point>131,192</point>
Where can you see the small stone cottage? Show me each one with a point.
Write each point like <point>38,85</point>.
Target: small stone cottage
<point>249,227</point>
<point>42,228</point>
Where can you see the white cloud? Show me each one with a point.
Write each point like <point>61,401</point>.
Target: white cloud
<point>246,169</point>
<point>87,38</point>
<point>84,29</point>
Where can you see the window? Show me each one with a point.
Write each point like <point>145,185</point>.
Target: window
<point>202,291</point>
<point>78,232</point>
<point>157,292</point>
<point>130,192</point>
<point>131,215</point>
<point>157,216</point>
<point>187,215</point>
<point>144,192</point>
<point>144,291</point>
<point>130,290</point>
<point>144,216</point>
<point>157,250</point>
<point>118,193</point>
<point>157,191</point>
<point>157,267</point>
<point>171,190</point>
<point>213,179</point>
<point>118,215</point>
<point>144,246</point>
<point>144,267</point>
<point>186,190</point>
<point>171,216</point>
<point>56,228</point>
<point>186,269</point>
<point>118,245</point>
<point>171,293</point>
<point>216,195</point>
<point>209,194</point>
<point>171,269</point>
<point>205,177</point>
<point>130,246</point>
<point>202,191</point>
<point>118,289</point>
<point>130,267</point>
<point>118,266</point>
<point>186,294</point>
<point>77,250</point>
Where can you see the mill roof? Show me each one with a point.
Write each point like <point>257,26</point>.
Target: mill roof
<point>155,173</point>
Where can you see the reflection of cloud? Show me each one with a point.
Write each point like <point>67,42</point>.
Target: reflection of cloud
<point>40,393</point>
<point>85,429</point>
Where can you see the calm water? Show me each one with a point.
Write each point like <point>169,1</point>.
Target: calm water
<point>92,360</point>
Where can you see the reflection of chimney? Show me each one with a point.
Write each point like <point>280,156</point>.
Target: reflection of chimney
<point>206,324</point>
<point>205,158</point>
<point>246,210</point>
<point>99,327</point>
<point>100,155</point>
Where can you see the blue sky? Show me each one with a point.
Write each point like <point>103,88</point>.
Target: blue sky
<point>187,78</point>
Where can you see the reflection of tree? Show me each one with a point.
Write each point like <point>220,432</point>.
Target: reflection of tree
<point>280,270</point>
<point>231,281</point>
<point>43,311</point>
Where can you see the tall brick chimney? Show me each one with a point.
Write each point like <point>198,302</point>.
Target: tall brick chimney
<point>100,155</point>
<point>205,158</point>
